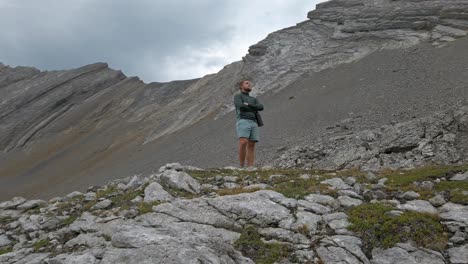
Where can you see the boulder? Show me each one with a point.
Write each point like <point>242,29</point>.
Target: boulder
<point>155,192</point>
<point>180,180</point>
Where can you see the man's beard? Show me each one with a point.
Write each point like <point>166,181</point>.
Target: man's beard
<point>247,89</point>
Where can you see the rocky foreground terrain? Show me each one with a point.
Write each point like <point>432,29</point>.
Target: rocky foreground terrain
<point>184,214</point>
<point>385,61</point>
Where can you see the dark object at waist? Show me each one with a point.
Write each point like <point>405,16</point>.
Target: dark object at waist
<point>248,117</point>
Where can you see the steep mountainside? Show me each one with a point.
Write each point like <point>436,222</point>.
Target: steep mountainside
<point>383,61</point>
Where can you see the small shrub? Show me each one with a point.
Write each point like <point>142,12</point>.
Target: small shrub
<point>304,229</point>
<point>252,246</point>
<point>377,229</point>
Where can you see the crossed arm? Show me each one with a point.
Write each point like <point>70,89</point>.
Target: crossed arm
<point>246,107</point>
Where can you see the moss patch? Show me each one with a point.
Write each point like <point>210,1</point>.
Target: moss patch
<point>5,250</point>
<point>251,246</point>
<point>377,229</point>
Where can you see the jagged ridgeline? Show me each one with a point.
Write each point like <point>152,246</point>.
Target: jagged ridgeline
<point>363,158</point>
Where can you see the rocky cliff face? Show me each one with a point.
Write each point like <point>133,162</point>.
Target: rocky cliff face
<point>183,214</point>
<point>89,121</point>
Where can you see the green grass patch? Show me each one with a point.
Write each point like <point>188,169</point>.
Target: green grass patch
<point>70,204</point>
<point>69,220</point>
<point>457,196</point>
<point>5,250</point>
<point>404,178</point>
<point>298,188</point>
<point>124,199</point>
<point>353,172</point>
<point>251,246</point>
<point>145,207</point>
<point>455,188</point>
<point>106,192</point>
<point>87,205</point>
<point>41,244</point>
<point>236,191</point>
<point>379,230</point>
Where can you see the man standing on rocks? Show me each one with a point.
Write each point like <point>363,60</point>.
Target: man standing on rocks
<point>246,124</point>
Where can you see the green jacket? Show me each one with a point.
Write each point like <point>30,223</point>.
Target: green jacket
<point>246,111</point>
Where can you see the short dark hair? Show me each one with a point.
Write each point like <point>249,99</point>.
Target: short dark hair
<point>239,84</point>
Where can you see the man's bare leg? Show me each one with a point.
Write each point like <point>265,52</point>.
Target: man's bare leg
<point>242,150</point>
<point>250,152</point>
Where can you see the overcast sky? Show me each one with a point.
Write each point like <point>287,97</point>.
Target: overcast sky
<point>154,39</point>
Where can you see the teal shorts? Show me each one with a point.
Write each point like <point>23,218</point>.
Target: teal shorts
<point>247,128</point>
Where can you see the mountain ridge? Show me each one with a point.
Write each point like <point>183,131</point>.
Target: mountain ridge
<point>101,126</point>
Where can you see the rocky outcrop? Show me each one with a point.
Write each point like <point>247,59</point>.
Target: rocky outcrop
<point>126,221</point>
<point>343,31</point>
<point>89,119</point>
<point>438,139</point>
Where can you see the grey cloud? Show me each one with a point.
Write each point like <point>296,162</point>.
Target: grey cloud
<point>155,40</point>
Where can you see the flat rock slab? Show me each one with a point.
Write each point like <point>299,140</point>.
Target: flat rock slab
<point>460,177</point>
<point>454,212</point>
<point>406,254</point>
<point>321,199</point>
<point>420,206</point>
<point>260,208</point>
<point>337,183</point>
<point>458,255</point>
